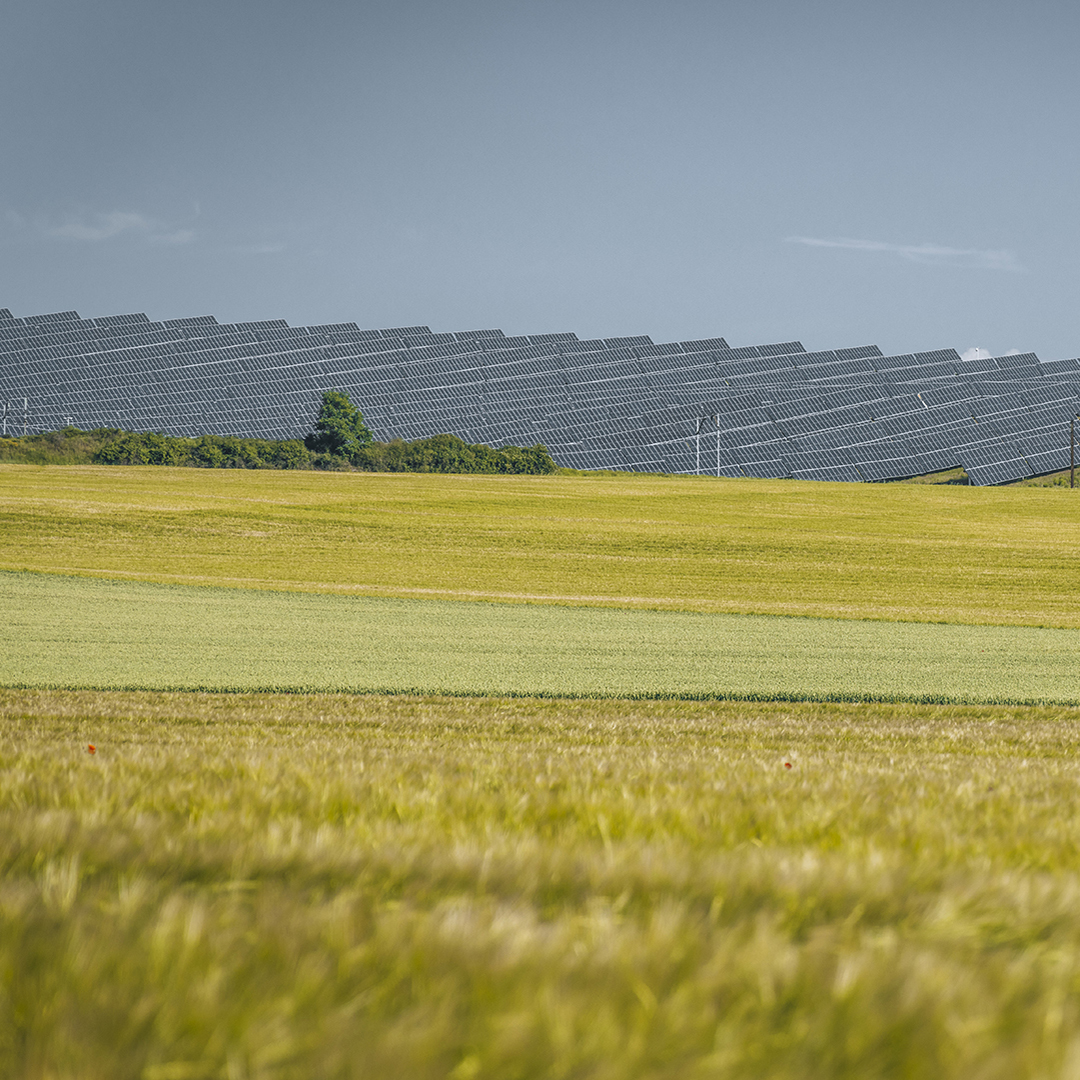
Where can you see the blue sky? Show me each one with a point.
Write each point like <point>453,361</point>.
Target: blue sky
<point>838,172</point>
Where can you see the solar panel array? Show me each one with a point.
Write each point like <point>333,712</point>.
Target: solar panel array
<point>614,403</point>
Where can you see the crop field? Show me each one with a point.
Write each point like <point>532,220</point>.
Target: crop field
<point>897,552</point>
<point>80,632</point>
<point>574,777</point>
<point>347,886</point>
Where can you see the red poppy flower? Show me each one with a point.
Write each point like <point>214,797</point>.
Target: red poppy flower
<point>91,749</point>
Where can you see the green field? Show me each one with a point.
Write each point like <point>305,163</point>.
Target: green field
<point>900,552</point>
<point>618,877</point>
<point>296,887</point>
<point>80,632</point>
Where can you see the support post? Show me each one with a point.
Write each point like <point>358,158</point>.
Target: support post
<point>1072,452</point>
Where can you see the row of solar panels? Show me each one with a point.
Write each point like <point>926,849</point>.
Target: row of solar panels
<point>66,327</point>
<point>798,413</point>
<point>992,462</point>
<point>595,374</point>
<point>766,410</point>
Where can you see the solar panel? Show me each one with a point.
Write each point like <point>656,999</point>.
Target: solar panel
<point>576,346</point>
<point>53,317</point>
<point>495,344</point>
<point>121,320</point>
<point>706,345</point>
<point>974,367</point>
<point>782,349</point>
<point>415,341</point>
<point>270,324</point>
<point>858,353</point>
<point>670,349</point>
<point>1017,361</point>
<point>764,468</point>
<point>476,335</point>
<point>994,464</point>
<point>547,339</point>
<point>1047,367</point>
<point>198,320</point>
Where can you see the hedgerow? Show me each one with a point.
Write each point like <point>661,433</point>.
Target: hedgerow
<point>208,452</point>
<point>113,446</point>
<point>449,454</point>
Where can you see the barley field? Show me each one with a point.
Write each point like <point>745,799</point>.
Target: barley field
<point>997,556</point>
<point>275,886</point>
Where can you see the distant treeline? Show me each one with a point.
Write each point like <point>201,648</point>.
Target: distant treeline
<point>113,446</point>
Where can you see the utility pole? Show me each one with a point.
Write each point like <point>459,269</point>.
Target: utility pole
<point>25,415</point>
<point>1072,452</point>
<point>697,464</point>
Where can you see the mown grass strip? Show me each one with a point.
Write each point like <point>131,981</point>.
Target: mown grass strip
<point>76,632</point>
<point>336,887</point>
<point>895,552</point>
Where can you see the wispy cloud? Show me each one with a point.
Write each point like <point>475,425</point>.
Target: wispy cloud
<point>257,249</point>
<point>932,254</point>
<point>181,236</point>
<point>96,228</point>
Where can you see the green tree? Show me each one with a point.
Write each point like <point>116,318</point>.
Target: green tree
<point>339,429</point>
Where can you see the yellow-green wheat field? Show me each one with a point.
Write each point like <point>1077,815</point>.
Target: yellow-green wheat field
<point>586,844</point>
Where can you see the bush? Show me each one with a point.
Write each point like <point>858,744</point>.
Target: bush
<point>289,454</point>
<point>69,446</point>
<point>147,448</point>
<point>449,454</point>
<point>206,452</point>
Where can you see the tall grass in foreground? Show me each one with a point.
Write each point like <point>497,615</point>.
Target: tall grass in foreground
<point>279,887</point>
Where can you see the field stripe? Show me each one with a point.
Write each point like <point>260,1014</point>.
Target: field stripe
<point>983,556</point>
<point>79,632</point>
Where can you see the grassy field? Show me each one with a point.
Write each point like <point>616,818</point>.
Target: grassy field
<point>258,886</point>
<point>296,887</point>
<point>935,553</point>
<point>80,632</point>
